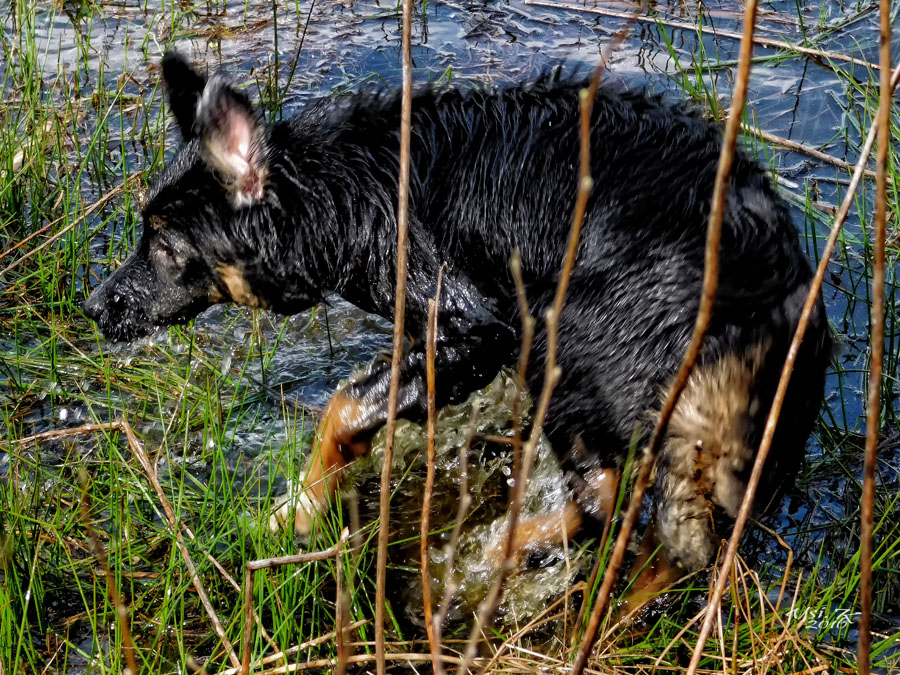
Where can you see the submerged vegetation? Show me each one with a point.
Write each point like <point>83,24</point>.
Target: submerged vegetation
<point>222,411</point>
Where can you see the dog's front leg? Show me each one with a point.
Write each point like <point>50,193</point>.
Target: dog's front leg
<point>343,434</point>
<point>465,361</point>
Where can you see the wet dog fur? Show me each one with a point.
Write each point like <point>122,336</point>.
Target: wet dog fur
<point>278,215</point>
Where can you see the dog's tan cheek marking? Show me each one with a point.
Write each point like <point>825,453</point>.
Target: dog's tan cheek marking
<point>237,286</point>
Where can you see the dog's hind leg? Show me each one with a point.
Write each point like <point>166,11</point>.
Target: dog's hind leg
<point>534,533</point>
<point>596,497</point>
<point>702,468</point>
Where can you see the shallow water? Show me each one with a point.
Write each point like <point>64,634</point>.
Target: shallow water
<point>349,45</point>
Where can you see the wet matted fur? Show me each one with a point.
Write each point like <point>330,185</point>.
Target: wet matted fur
<point>278,215</point>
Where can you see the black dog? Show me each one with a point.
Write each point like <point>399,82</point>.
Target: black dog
<point>276,215</point>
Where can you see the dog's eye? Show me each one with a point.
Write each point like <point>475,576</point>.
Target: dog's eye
<point>165,250</point>
<point>168,255</point>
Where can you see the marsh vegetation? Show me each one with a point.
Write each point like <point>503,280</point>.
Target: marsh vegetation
<point>223,409</point>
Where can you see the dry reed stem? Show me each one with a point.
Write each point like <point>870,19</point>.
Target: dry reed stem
<point>341,603</point>
<point>299,558</point>
<point>282,655</point>
<point>789,563</point>
<point>55,434</point>
<point>248,621</point>
<point>250,569</point>
<point>235,585</point>
<point>552,372</point>
<point>87,212</point>
<point>528,323</point>
<point>876,341</point>
<point>150,471</point>
<point>450,549</point>
<point>799,147</point>
<point>122,615</point>
<point>538,620</point>
<point>595,571</point>
<point>769,432</point>
<point>704,315</point>
<point>430,349</point>
<point>320,664</point>
<point>551,376</point>
<point>762,41</point>
<point>399,311</point>
<point>767,645</point>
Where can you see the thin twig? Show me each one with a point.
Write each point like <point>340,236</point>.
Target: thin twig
<point>320,664</point>
<point>282,655</point>
<point>763,41</point>
<point>250,569</point>
<point>122,615</point>
<point>876,344</point>
<point>552,371</point>
<point>778,400</point>
<point>150,471</point>
<point>136,448</point>
<point>704,315</point>
<point>551,374</point>
<point>430,349</point>
<point>88,211</point>
<point>340,606</point>
<point>299,558</point>
<point>452,546</point>
<point>799,147</point>
<point>541,618</point>
<point>604,538</point>
<point>248,621</point>
<point>234,584</point>
<point>55,434</point>
<point>528,323</point>
<point>399,311</point>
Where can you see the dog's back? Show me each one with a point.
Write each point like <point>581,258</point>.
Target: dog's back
<point>496,171</point>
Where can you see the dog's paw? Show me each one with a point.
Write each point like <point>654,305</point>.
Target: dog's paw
<point>296,507</point>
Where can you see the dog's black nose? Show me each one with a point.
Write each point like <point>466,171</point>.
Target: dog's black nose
<point>91,307</point>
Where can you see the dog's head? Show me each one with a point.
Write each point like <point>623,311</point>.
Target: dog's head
<point>201,218</point>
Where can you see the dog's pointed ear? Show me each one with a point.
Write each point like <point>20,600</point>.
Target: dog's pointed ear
<point>183,88</point>
<point>233,139</point>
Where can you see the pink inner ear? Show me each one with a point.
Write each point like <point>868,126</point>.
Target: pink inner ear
<point>239,135</point>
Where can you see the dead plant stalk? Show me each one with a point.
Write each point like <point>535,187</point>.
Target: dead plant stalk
<point>772,43</point>
<point>704,315</point>
<point>430,349</point>
<point>551,375</point>
<point>399,311</point>
<point>452,546</point>
<point>122,616</point>
<point>552,372</point>
<point>769,431</point>
<point>282,655</point>
<point>876,342</point>
<point>150,471</point>
<point>253,566</point>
